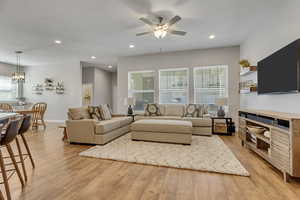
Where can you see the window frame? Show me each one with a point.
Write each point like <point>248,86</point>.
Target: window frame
<point>187,86</point>
<point>13,91</point>
<point>207,67</point>
<point>140,91</point>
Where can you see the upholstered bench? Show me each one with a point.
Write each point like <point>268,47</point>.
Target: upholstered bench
<point>170,131</point>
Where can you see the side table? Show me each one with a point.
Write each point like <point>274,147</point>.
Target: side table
<point>133,115</point>
<point>228,122</point>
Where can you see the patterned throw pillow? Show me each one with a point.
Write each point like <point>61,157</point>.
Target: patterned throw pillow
<point>94,112</point>
<point>152,109</point>
<point>105,112</point>
<point>203,110</point>
<point>191,110</point>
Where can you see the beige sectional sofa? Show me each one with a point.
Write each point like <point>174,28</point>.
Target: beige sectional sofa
<point>91,131</point>
<point>201,125</point>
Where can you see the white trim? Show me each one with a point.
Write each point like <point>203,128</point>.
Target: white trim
<point>179,90</point>
<point>207,67</point>
<point>131,92</point>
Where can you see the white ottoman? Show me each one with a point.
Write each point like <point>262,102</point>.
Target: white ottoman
<point>170,131</point>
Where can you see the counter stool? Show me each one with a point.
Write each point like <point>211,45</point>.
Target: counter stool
<point>6,138</point>
<point>23,129</point>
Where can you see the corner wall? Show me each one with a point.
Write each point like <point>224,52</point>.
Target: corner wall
<point>191,58</point>
<point>274,31</point>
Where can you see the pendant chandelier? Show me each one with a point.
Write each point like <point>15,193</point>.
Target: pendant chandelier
<point>18,76</point>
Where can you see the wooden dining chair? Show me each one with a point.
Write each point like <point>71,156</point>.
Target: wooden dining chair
<point>39,110</point>
<point>6,107</point>
<point>6,138</point>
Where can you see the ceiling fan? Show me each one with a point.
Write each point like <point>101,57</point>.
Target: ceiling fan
<point>161,28</point>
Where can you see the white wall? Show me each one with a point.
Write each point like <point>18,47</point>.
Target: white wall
<point>69,73</point>
<point>114,81</point>
<point>191,58</point>
<point>7,69</point>
<point>103,87</point>
<point>274,31</point>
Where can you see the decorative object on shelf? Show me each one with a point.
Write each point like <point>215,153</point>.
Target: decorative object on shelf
<point>247,70</point>
<point>18,76</point>
<point>248,87</point>
<point>60,89</point>
<point>130,101</point>
<point>49,84</point>
<point>221,102</point>
<point>38,89</point>
<point>244,63</point>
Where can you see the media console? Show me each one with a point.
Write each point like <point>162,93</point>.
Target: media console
<point>281,148</point>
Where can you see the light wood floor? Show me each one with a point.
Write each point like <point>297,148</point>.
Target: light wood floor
<point>61,174</point>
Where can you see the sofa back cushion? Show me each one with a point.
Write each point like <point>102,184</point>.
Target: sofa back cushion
<point>94,112</point>
<point>153,109</point>
<point>203,110</point>
<point>105,112</point>
<point>174,110</point>
<point>79,113</point>
<point>191,110</point>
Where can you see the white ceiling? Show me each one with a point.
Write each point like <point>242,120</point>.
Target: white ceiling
<point>105,28</point>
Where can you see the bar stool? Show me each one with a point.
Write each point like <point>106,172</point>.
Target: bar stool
<point>10,134</point>
<point>23,129</point>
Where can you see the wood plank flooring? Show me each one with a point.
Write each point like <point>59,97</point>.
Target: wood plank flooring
<point>61,174</point>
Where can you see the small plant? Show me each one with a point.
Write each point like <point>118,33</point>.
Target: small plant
<point>244,63</point>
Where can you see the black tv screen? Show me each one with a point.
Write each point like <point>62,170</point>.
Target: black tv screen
<point>279,73</point>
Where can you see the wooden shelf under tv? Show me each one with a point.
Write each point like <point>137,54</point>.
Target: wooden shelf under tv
<point>282,150</point>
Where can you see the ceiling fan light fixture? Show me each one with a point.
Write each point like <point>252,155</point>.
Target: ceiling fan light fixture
<point>161,31</point>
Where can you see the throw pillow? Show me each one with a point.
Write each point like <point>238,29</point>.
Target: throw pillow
<point>191,110</point>
<point>203,110</point>
<point>94,112</point>
<point>105,112</point>
<point>152,109</point>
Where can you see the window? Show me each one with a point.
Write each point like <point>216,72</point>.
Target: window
<point>7,88</point>
<point>210,83</point>
<point>173,86</point>
<point>141,87</point>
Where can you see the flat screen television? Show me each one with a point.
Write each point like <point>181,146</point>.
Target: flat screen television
<point>279,72</point>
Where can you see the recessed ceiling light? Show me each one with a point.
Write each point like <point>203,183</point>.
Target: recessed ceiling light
<point>57,42</point>
<point>131,46</point>
<point>109,66</point>
<point>212,37</point>
<point>93,57</point>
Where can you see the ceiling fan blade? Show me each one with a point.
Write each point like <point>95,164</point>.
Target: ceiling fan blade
<point>146,21</point>
<point>174,20</point>
<point>182,33</point>
<point>144,33</point>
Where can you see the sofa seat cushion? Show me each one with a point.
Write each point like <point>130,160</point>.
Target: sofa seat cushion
<point>105,126</point>
<point>163,126</point>
<point>124,120</point>
<point>139,117</point>
<point>199,121</point>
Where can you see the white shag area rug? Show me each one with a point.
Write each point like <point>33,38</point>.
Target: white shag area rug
<point>205,154</point>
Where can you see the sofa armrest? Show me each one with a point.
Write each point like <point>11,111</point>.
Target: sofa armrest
<point>81,131</point>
